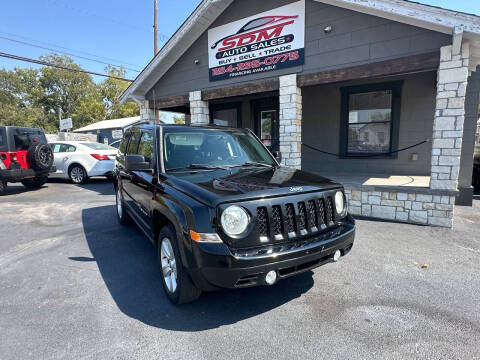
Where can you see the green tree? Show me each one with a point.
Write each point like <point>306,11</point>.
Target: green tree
<point>179,119</point>
<point>65,90</point>
<point>30,97</point>
<point>111,90</point>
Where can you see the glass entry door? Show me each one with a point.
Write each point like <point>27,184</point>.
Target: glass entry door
<point>266,122</point>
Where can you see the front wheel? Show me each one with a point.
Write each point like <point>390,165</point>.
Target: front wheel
<point>176,282</point>
<point>122,215</point>
<point>77,174</point>
<point>476,178</point>
<point>35,183</point>
<point>3,187</point>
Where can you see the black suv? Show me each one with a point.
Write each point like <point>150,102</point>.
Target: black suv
<point>221,210</point>
<point>24,157</point>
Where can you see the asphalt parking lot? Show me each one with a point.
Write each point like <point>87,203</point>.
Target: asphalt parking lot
<point>74,284</point>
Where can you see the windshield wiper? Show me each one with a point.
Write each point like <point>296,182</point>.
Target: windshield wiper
<point>200,167</point>
<point>253,163</point>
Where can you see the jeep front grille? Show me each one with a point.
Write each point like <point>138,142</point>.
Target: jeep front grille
<point>302,216</point>
<point>262,220</point>
<point>293,220</point>
<point>290,218</point>
<point>329,210</point>
<point>277,220</point>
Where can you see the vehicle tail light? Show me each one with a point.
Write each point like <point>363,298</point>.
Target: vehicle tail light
<point>13,157</point>
<point>100,157</point>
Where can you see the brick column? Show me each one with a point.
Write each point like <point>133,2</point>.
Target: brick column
<point>449,117</point>
<point>200,114</point>
<point>146,114</point>
<point>290,121</point>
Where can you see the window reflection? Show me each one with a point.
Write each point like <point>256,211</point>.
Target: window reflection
<point>369,122</point>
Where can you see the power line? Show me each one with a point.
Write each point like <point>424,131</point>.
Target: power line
<point>45,63</point>
<point>66,53</point>
<point>66,48</point>
<point>162,37</point>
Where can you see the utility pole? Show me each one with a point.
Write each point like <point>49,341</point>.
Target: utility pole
<point>155,46</point>
<point>59,116</point>
<point>155,28</point>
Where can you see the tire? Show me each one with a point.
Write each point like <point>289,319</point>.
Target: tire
<point>77,174</point>
<point>35,183</point>
<point>40,156</point>
<point>177,284</point>
<point>122,214</point>
<point>3,187</point>
<point>476,178</point>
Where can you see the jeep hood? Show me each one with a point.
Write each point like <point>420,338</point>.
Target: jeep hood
<point>213,187</point>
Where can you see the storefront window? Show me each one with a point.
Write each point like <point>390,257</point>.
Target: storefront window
<point>370,118</point>
<point>226,117</point>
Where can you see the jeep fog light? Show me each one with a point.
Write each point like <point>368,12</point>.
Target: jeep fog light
<point>339,202</point>
<point>234,220</point>
<point>271,277</point>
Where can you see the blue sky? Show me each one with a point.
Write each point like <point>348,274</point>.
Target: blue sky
<point>120,32</point>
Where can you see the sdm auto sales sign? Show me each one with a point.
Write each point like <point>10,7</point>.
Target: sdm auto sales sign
<point>268,41</point>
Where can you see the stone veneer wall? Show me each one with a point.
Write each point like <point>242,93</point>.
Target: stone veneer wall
<point>290,121</point>
<point>449,117</point>
<point>405,206</point>
<point>146,114</point>
<point>199,110</point>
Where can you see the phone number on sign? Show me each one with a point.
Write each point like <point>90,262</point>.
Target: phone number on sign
<point>253,64</point>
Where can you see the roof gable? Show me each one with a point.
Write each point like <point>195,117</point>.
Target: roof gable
<point>412,13</point>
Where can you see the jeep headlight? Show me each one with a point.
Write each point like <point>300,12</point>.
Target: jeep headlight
<point>234,220</point>
<point>340,202</point>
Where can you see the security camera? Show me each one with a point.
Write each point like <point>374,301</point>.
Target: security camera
<point>197,62</point>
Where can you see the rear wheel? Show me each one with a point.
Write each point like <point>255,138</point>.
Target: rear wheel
<point>3,187</point>
<point>77,174</point>
<point>35,183</point>
<point>176,282</point>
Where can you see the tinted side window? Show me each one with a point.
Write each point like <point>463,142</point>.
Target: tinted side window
<point>123,145</point>
<point>145,147</point>
<point>3,140</point>
<point>132,145</point>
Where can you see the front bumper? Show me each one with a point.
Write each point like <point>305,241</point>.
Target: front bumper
<point>219,267</point>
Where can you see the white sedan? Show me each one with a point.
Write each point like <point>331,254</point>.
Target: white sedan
<point>79,160</point>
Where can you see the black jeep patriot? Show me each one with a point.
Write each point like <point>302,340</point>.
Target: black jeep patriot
<point>221,210</point>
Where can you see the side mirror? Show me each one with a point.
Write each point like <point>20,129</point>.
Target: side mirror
<point>136,163</point>
<point>277,155</point>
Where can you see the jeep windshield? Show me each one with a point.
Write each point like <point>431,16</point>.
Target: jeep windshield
<point>206,149</point>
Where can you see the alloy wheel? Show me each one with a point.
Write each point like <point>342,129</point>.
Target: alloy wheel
<point>169,265</point>
<point>119,203</point>
<point>77,175</point>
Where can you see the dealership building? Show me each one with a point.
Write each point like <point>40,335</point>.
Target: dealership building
<point>380,95</point>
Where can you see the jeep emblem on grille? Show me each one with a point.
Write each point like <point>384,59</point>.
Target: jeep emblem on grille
<point>296,189</point>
